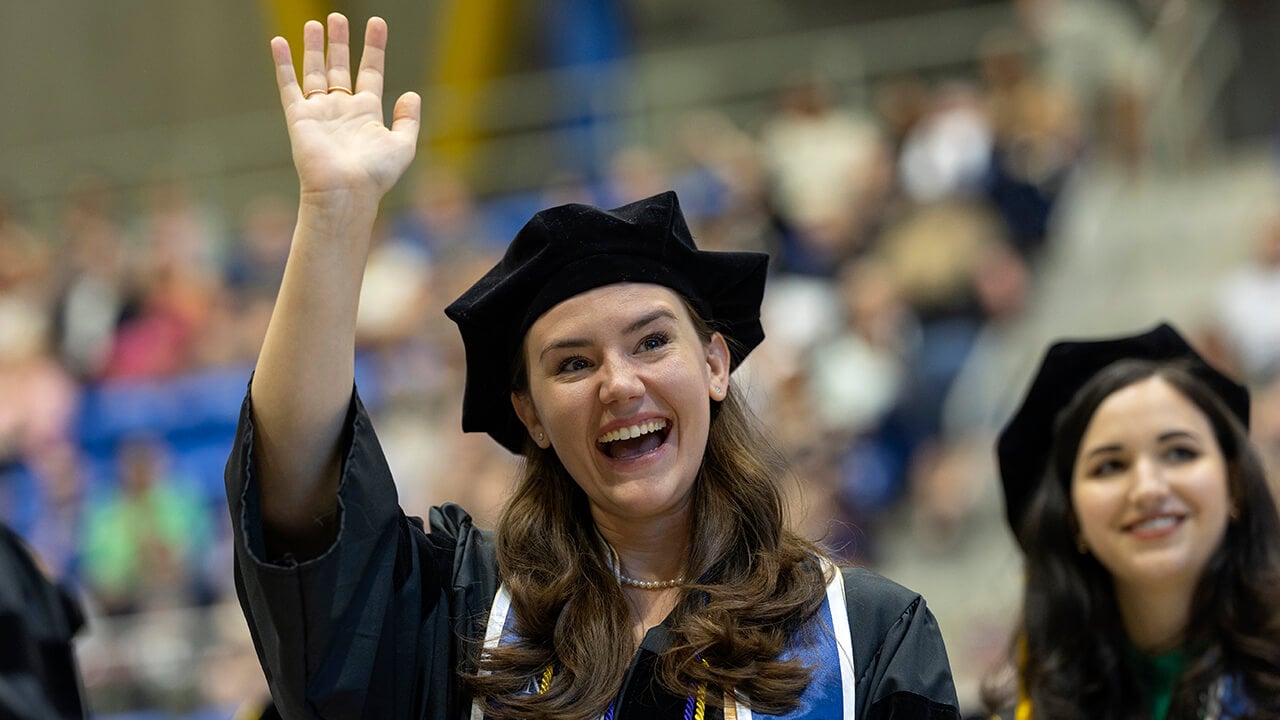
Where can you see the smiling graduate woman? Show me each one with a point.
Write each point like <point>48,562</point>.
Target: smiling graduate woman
<point>641,568</point>
<point>1151,539</point>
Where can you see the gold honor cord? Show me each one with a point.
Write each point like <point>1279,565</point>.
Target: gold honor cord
<point>695,707</point>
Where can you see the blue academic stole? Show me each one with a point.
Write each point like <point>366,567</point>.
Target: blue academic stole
<point>824,645</point>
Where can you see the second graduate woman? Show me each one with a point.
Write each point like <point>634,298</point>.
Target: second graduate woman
<point>1151,538</point>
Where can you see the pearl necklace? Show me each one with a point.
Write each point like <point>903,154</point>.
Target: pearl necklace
<point>640,584</point>
<point>648,584</point>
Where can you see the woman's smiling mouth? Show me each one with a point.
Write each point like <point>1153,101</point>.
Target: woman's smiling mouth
<point>633,440</point>
<point>1155,526</point>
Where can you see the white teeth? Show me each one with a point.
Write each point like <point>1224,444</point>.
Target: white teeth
<point>633,431</point>
<point>1157,523</point>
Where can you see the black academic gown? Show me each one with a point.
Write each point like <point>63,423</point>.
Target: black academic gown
<point>379,625</point>
<point>38,622</point>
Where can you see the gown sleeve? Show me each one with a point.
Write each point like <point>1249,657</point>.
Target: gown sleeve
<point>379,624</point>
<point>899,658</point>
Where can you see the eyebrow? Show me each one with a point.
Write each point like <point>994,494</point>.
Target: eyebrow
<point>635,325</point>
<point>1164,437</point>
<point>1104,450</point>
<point>1176,435</point>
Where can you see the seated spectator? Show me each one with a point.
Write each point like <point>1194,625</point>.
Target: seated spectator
<point>142,543</point>
<point>1247,302</point>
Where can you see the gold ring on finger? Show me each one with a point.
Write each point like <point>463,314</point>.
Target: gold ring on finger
<point>309,93</point>
<point>339,87</point>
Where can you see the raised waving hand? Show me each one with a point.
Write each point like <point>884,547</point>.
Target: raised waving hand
<point>347,159</point>
<point>339,138</point>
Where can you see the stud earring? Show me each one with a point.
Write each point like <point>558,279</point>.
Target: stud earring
<point>541,437</point>
<point>717,389</point>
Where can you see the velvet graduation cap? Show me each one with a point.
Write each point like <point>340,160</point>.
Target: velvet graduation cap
<point>569,249</point>
<point>1024,444</point>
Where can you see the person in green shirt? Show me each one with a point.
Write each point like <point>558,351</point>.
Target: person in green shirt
<point>1150,535</point>
<point>142,544</point>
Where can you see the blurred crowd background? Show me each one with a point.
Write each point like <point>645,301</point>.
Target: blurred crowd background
<point>943,186</point>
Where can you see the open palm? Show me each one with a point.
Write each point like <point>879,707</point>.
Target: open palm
<point>340,142</point>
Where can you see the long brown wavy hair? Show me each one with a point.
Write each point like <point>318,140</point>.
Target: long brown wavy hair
<point>1234,626</point>
<point>757,582</point>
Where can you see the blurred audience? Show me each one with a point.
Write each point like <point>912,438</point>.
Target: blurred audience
<point>442,218</point>
<point>56,529</point>
<point>856,377</point>
<point>1247,303</point>
<point>1036,138</point>
<point>93,283</point>
<point>820,159</point>
<point>947,152</point>
<point>255,263</point>
<point>1095,51</point>
<point>907,238</point>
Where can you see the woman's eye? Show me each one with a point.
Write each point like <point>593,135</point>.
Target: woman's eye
<point>1106,467</point>
<point>571,364</point>
<point>1180,453</point>
<point>654,341</point>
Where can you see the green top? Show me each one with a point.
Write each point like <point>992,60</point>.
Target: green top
<point>1157,674</point>
<point>134,541</point>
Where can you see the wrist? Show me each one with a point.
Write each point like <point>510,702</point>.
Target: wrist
<point>337,208</point>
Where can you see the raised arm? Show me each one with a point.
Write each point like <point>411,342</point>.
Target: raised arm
<point>346,159</point>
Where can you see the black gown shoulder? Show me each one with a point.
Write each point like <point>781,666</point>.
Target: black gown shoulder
<point>900,659</point>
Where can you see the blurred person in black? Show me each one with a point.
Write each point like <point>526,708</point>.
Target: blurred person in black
<point>39,678</point>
